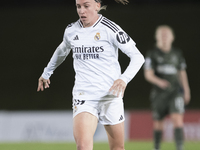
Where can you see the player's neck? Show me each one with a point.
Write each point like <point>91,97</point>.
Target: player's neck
<point>164,48</point>
<point>89,24</point>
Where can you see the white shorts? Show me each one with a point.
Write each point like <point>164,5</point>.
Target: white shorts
<point>108,112</point>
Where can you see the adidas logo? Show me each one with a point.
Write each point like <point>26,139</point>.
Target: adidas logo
<point>76,37</point>
<point>121,118</point>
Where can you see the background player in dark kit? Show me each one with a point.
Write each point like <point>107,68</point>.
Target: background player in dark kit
<point>165,69</point>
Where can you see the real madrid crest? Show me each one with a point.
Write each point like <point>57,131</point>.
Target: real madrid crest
<point>97,36</point>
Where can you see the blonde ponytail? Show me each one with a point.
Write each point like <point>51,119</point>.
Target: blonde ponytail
<point>104,7</point>
<point>122,1</point>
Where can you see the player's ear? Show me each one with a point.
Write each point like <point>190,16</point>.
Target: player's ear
<point>98,7</point>
<point>173,38</point>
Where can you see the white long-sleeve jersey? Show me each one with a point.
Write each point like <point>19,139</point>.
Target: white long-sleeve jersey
<point>95,54</point>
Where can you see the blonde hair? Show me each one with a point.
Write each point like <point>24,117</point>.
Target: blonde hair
<point>104,7</point>
<point>122,1</point>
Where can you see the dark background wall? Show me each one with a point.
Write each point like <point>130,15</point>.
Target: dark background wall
<point>30,31</point>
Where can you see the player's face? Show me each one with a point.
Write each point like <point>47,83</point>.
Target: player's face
<point>87,11</point>
<point>164,37</point>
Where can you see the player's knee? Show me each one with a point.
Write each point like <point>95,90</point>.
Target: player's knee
<point>177,120</point>
<point>117,147</point>
<point>84,146</point>
<point>178,124</point>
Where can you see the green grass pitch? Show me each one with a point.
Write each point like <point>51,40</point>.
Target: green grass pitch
<point>97,146</point>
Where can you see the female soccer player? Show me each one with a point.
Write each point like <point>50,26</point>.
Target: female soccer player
<point>165,68</point>
<point>99,85</point>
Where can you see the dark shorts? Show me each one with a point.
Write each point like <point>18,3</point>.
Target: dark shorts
<point>164,103</point>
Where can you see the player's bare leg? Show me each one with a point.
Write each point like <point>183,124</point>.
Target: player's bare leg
<point>177,119</point>
<point>115,136</point>
<point>158,125</point>
<point>84,126</point>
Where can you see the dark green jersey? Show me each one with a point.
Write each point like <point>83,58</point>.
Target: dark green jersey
<point>166,66</point>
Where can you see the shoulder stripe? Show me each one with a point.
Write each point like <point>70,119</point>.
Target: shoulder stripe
<point>98,21</point>
<point>80,24</point>
<point>108,27</point>
<point>110,24</point>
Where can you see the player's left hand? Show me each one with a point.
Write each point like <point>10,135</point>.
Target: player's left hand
<point>187,97</point>
<point>118,87</point>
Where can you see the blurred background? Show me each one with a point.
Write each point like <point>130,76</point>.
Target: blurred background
<point>30,31</point>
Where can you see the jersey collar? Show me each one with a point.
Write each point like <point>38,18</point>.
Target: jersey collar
<point>95,24</point>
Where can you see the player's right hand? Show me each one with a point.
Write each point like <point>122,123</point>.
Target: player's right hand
<point>43,84</point>
<point>163,84</point>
